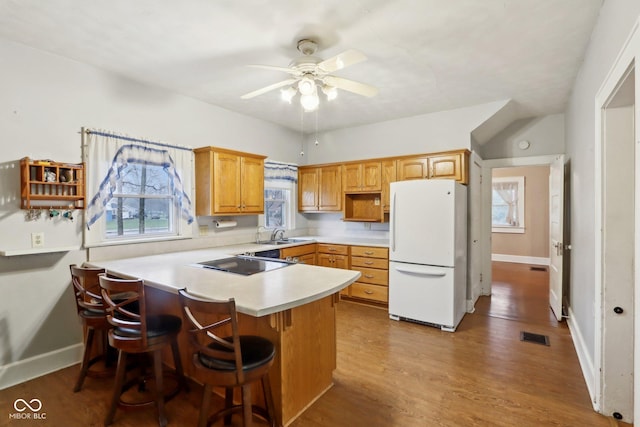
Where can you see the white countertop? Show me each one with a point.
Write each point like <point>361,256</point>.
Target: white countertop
<point>256,295</point>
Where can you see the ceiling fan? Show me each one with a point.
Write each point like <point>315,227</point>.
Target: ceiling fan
<point>308,73</point>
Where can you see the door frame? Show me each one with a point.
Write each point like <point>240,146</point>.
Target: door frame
<point>487,169</point>
<point>629,56</point>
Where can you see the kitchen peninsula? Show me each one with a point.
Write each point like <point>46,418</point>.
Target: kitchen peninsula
<point>293,306</point>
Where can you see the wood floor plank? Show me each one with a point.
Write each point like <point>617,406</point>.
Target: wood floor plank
<point>397,374</point>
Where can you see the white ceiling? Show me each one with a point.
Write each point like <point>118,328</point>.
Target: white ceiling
<point>423,55</point>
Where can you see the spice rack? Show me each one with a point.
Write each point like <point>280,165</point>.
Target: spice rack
<point>45,184</point>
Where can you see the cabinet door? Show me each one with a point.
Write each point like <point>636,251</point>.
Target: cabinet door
<point>412,168</point>
<point>341,261</point>
<point>371,176</point>
<point>252,190</point>
<point>307,189</point>
<point>325,260</point>
<point>226,187</point>
<point>352,174</point>
<point>309,259</point>
<point>446,166</point>
<point>330,184</point>
<point>388,176</point>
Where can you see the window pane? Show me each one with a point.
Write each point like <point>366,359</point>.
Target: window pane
<point>130,216</point>
<point>275,207</point>
<point>137,178</point>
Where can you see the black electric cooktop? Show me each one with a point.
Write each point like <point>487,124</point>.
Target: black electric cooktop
<point>243,265</point>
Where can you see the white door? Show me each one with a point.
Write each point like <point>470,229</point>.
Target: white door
<point>556,216</point>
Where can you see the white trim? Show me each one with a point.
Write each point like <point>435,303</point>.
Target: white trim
<point>586,364</point>
<point>37,366</point>
<point>625,57</point>
<point>520,259</point>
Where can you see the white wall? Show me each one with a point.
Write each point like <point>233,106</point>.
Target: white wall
<point>544,134</point>
<point>426,133</point>
<point>612,29</point>
<point>45,101</point>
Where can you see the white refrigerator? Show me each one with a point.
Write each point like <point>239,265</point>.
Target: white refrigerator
<point>428,252</point>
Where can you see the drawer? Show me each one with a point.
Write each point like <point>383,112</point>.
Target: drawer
<point>326,248</point>
<point>369,262</point>
<point>369,251</point>
<point>370,292</point>
<point>372,275</point>
<point>298,250</point>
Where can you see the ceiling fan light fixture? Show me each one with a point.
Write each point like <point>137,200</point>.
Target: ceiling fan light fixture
<point>288,94</point>
<point>330,91</point>
<point>306,86</point>
<point>309,102</point>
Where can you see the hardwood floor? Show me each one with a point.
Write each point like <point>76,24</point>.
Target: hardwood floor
<point>398,373</point>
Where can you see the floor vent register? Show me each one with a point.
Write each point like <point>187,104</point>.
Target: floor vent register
<point>534,338</point>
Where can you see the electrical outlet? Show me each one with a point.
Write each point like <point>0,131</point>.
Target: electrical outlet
<point>367,226</point>
<point>37,240</point>
<point>203,230</point>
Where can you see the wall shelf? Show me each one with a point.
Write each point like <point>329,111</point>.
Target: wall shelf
<point>45,184</point>
<point>363,207</point>
<point>35,251</point>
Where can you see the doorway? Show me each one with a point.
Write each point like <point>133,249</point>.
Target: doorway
<point>616,247</point>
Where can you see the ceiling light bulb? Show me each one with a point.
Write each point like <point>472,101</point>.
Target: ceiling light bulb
<point>309,102</point>
<point>306,86</point>
<point>330,91</point>
<point>288,94</point>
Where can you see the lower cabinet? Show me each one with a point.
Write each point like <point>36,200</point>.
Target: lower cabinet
<point>372,286</point>
<point>336,256</point>
<point>304,254</point>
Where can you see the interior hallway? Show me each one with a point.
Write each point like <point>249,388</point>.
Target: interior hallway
<point>400,374</point>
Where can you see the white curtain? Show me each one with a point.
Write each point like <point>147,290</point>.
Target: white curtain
<point>509,193</point>
<point>280,171</point>
<point>107,153</point>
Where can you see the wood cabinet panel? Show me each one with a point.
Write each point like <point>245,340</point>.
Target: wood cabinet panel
<point>365,176</point>
<point>320,189</point>
<point>328,248</point>
<point>365,262</point>
<point>370,251</point>
<point>373,275</point>
<point>305,254</point>
<point>450,166</point>
<point>388,173</point>
<point>370,292</point>
<point>413,168</point>
<point>228,182</point>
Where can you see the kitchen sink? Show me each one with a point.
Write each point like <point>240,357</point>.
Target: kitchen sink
<point>282,241</point>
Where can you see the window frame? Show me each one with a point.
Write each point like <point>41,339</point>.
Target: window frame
<point>290,203</point>
<point>520,203</point>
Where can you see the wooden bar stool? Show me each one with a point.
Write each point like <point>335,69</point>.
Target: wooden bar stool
<point>224,358</point>
<point>92,313</point>
<point>136,332</point>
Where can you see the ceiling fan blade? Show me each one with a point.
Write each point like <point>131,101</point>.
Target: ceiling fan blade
<point>351,86</point>
<point>274,68</point>
<point>268,88</point>
<point>342,60</point>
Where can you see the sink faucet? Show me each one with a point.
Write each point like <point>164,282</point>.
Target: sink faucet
<point>258,233</point>
<point>274,235</point>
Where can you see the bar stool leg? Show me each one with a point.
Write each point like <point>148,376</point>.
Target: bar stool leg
<point>268,400</point>
<point>86,355</point>
<point>117,388</point>
<point>159,391</point>
<point>247,413</point>
<point>204,406</point>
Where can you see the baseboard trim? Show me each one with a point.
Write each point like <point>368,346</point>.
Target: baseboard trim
<point>37,366</point>
<point>520,259</point>
<point>586,364</point>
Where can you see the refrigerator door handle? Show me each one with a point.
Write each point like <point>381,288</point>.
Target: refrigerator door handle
<point>393,225</point>
<point>422,271</point>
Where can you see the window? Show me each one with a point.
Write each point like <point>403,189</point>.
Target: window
<point>279,195</point>
<point>507,205</point>
<point>142,203</point>
<point>276,204</point>
<point>138,190</point>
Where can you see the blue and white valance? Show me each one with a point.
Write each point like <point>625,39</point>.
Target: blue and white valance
<point>280,171</point>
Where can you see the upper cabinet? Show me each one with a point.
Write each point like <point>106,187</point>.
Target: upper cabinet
<point>413,168</point>
<point>362,176</point>
<point>388,176</point>
<point>228,182</point>
<point>449,165</point>
<point>320,188</point>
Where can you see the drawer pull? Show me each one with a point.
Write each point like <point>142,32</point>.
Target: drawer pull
<point>368,262</point>
<point>368,292</point>
<point>332,249</point>
<point>369,276</point>
<point>368,253</point>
